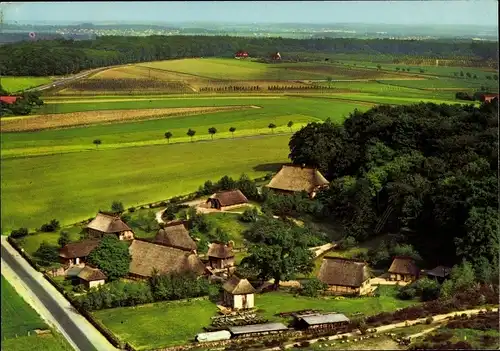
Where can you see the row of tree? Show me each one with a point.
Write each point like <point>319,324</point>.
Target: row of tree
<point>59,57</point>
<point>230,88</point>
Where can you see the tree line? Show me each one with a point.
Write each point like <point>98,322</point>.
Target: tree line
<point>59,57</point>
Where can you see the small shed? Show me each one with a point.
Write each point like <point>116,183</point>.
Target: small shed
<point>241,54</point>
<point>403,268</point>
<point>321,321</point>
<point>238,293</point>
<point>296,178</point>
<point>91,277</point>
<point>226,200</point>
<point>440,273</point>
<point>213,336</point>
<point>109,224</point>
<point>257,329</point>
<point>76,253</point>
<point>220,255</point>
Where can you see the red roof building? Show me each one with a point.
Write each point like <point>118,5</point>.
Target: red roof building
<point>8,99</point>
<point>241,54</point>
<point>276,56</point>
<point>488,97</point>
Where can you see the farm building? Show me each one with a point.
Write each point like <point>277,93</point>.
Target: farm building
<point>440,273</point>
<point>241,54</point>
<point>321,321</point>
<point>220,255</point>
<point>294,178</point>
<point>175,234</point>
<point>147,256</point>
<point>488,97</point>
<point>9,100</point>
<point>403,268</point>
<point>106,224</point>
<point>76,253</point>
<point>91,277</point>
<point>276,56</point>
<point>345,276</point>
<point>226,200</point>
<point>213,336</point>
<point>238,293</point>
<point>257,329</point>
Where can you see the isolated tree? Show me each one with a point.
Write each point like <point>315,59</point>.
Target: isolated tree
<point>468,74</point>
<point>212,131</point>
<point>272,126</point>
<point>232,130</point>
<point>117,206</point>
<point>112,257</point>
<point>461,73</point>
<point>97,142</point>
<point>329,80</point>
<point>276,251</point>
<point>475,76</point>
<point>63,238</point>
<point>168,135</point>
<point>191,133</point>
<point>379,67</point>
<point>289,125</point>
<point>397,69</point>
<point>495,77</point>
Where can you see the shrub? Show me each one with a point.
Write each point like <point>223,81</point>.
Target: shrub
<point>117,207</point>
<point>19,233</point>
<point>46,254</point>
<point>249,215</point>
<point>429,320</point>
<point>63,238</point>
<point>131,209</point>
<point>52,226</point>
<point>347,243</point>
<point>312,287</point>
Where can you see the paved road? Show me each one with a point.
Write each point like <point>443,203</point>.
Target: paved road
<point>68,79</point>
<point>81,334</point>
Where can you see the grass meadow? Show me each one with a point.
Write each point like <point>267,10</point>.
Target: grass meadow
<point>14,84</point>
<point>18,318</point>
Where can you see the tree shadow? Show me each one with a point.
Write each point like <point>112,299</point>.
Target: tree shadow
<point>268,167</point>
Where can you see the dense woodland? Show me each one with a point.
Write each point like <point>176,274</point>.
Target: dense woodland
<point>57,57</point>
<point>427,171</point>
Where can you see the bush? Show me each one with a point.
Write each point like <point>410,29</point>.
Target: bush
<point>19,233</point>
<point>117,207</point>
<point>347,243</point>
<point>47,254</point>
<point>52,226</point>
<point>429,320</point>
<point>131,209</point>
<point>312,287</point>
<point>407,293</point>
<point>249,215</point>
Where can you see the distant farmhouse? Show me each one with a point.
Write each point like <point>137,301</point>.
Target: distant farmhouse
<point>226,200</point>
<point>403,268</point>
<point>345,276</point>
<point>175,234</point>
<point>241,55</point>
<point>109,224</point>
<point>9,100</point>
<point>294,178</point>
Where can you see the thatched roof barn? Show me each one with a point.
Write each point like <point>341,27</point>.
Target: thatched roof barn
<point>77,252</point>
<point>92,277</point>
<point>165,259</point>
<point>295,178</point>
<point>403,268</point>
<point>220,255</point>
<point>227,199</point>
<point>345,276</point>
<point>175,234</point>
<point>238,293</point>
<point>105,223</point>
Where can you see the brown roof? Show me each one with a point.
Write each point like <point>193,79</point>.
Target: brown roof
<point>78,249</point>
<point>108,224</point>
<point>403,265</point>
<point>90,274</point>
<point>343,272</point>
<point>230,197</point>
<point>440,271</point>
<point>166,259</point>
<point>175,235</point>
<point>297,178</point>
<point>218,250</point>
<point>238,286</point>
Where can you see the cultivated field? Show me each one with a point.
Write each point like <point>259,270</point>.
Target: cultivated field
<point>14,84</point>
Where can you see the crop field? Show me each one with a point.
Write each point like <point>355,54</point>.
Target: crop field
<point>73,186</point>
<point>61,120</point>
<point>130,85</point>
<point>160,324</point>
<point>14,84</point>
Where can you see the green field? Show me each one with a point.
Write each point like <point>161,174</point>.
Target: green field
<point>14,84</point>
<point>19,319</point>
<point>72,187</point>
<point>159,324</point>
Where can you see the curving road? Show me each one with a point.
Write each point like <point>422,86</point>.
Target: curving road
<point>68,79</point>
<point>50,303</point>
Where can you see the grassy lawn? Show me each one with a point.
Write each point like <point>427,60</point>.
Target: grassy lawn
<point>14,84</point>
<point>32,242</point>
<point>275,302</point>
<point>18,318</point>
<point>230,224</point>
<point>73,187</point>
<point>160,324</point>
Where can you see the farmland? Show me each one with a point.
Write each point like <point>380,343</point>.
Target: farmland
<point>14,84</point>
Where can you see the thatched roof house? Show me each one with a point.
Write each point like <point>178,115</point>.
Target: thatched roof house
<point>227,199</point>
<point>165,259</point>
<point>238,293</point>
<point>175,234</point>
<point>345,276</point>
<point>403,268</point>
<point>77,252</point>
<point>91,277</point>
<point>105,223</point>
<point>295,178</point>
<point>220,255</point>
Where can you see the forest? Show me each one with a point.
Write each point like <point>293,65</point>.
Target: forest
<point>426,171</point>
<point>58,57</point>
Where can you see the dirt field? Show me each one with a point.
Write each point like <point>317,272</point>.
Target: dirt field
<point>64,120</point>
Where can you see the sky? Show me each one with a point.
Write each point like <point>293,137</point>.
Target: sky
<point>473,12</point>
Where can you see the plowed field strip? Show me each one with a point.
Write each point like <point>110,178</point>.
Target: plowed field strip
<point>65,120</point>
